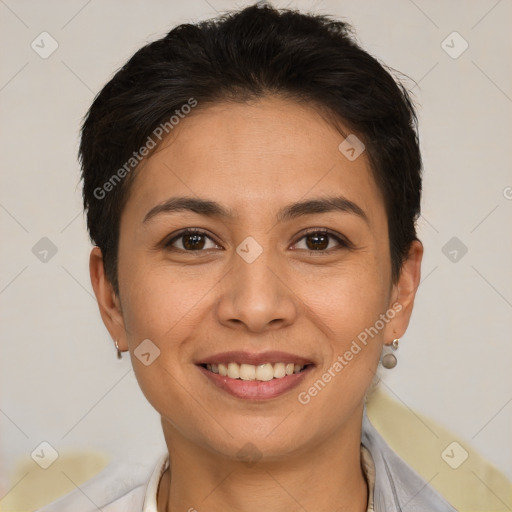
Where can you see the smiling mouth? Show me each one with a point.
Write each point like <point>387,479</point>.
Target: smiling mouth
<point>262,372</point>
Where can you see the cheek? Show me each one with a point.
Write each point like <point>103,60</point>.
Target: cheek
<point>348,298</point>
<point>349,304</point>
<point>160,302</point>
<point>160,306</point>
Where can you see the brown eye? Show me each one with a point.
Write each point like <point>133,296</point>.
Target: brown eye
<point>319,240</point>
<point>190,240</point>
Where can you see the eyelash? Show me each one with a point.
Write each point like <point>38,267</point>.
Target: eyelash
<point>341,241</point>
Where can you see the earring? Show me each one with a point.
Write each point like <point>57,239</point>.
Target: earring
<point>119,355</point>
<point>388,359</point>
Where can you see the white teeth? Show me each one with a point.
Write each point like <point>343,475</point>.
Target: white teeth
<point>234,370</point>
<point>279,370</point>
<point>247,372</point>
<point>262,372</point>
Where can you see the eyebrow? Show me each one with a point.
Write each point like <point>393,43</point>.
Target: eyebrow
<point>292,211</point>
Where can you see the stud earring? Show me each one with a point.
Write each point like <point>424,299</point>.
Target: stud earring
<point>388,359</point>
<point>119,355</point>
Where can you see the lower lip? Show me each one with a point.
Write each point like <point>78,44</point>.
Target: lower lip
<point>255,389</point>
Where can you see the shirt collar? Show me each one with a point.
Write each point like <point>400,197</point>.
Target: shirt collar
<point>369,472</point>
<point>150,497</point>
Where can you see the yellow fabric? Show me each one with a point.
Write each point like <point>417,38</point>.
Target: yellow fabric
<point>475,486</point>
<point>31,487</point>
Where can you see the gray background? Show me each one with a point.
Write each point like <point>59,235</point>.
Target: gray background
<point>61,381</point>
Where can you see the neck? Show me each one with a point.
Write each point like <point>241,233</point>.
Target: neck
<point>326,477</point>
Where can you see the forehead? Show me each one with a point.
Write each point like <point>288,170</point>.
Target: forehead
<point>253,157</point>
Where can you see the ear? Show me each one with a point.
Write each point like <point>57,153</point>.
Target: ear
<point>403,293</point>
<point>108,301</point>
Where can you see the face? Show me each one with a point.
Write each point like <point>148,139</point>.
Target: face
<point>259,280</point>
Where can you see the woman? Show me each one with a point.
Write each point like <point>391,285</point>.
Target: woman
<point>252,185</point>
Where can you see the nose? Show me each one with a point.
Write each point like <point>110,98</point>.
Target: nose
<point>256,295</point>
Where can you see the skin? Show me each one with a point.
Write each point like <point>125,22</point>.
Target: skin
<point>255,159</point>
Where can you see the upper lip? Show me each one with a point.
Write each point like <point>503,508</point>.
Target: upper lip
<point>255,358</point>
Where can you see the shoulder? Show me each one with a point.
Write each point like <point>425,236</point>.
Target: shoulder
<point>120,487</point>
<point>397,485</point>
